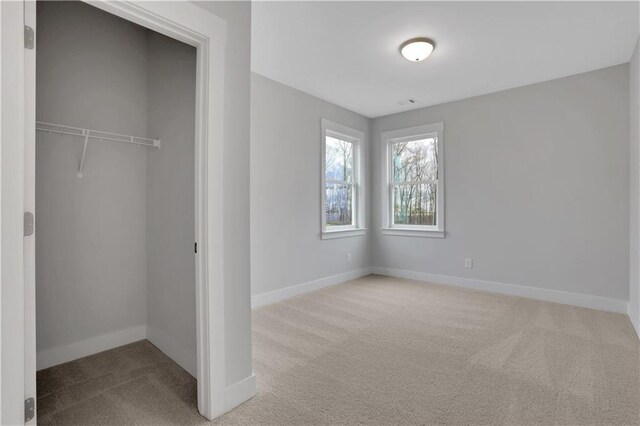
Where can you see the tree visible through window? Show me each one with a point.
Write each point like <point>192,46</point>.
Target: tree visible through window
<point>339,182</point>
<point>415,182</point>
<point>413,199</point>
<point>341,189</point>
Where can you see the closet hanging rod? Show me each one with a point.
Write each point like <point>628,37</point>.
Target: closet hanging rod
<point>96,134</point>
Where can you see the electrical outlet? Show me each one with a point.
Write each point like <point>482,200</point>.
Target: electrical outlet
<point>468,263</point>
<point>348,257</point>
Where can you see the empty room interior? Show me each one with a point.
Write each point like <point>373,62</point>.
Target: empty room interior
<point>425,212</point>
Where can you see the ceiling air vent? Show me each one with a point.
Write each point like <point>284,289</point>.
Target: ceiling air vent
<point>405,102</point>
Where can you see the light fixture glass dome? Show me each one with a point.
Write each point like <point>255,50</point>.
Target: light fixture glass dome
<point>417,49</point>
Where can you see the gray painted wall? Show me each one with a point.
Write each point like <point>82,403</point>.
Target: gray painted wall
<point>171,290</point>
<point>286,248</point>
<point>91,261</point>
<point>522,166</point>
<point>237,291</point>
<point>634,137</point>
<point>537,187</point>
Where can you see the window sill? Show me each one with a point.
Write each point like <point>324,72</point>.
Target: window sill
<point>343,233</point>
<point>408,232</point>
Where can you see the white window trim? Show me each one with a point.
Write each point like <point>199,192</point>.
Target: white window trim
<point>356,137</point>
<point>393,136</point>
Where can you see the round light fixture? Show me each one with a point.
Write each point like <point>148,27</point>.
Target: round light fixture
<point>416,49</point>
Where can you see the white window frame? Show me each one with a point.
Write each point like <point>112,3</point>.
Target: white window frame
<point>357,138</point>
<point>435,130</point>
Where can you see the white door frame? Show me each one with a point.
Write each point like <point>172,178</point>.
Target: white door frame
<point>12,125</point>
<point>192,25</point>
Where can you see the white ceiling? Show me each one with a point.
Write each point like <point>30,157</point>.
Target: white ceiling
<point>347,52</point>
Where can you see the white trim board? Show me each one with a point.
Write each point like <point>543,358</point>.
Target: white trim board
<point>65,353</point>
<point>240,392</point>
<point>295,290</point>
<point>61,354</point>
<point>235,394</point>
<point>70,352</point>
<point>556,296</point>
<point>633,317</point>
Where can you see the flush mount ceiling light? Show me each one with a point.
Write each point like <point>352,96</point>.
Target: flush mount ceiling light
<point>416,49</point>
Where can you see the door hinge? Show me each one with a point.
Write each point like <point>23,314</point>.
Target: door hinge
<point>28,224</point>
<point>29,409</point>
<point>29,37</point>
<point>195,247</point>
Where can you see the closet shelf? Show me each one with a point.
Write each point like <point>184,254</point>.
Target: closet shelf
<point>94,134</point>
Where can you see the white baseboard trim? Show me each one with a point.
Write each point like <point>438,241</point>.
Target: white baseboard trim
<point>61,354</point>
<point>295,290</point>
<point>174,350</point>
<point>240,392</point>
<point>567,298</point>
<point>635,319</point>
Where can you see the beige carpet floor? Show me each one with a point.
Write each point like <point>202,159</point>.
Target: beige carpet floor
<point>379,350</point>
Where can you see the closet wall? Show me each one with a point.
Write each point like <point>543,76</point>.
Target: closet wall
<point>91,265</point>
<point>114,251</point>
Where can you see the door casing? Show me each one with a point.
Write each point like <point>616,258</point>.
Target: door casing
<point>180,20</point>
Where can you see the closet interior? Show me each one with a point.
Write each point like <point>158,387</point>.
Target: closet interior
<point>115,180</point>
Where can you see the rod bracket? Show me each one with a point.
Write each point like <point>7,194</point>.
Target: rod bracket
<point>84,155</point>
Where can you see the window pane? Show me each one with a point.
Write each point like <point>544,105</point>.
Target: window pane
<point>415,161</point>
<point>339,157</point>
<point>339,205</point>
<point>415,204</point>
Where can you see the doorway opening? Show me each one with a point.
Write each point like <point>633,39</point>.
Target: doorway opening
<point>116,208</point>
